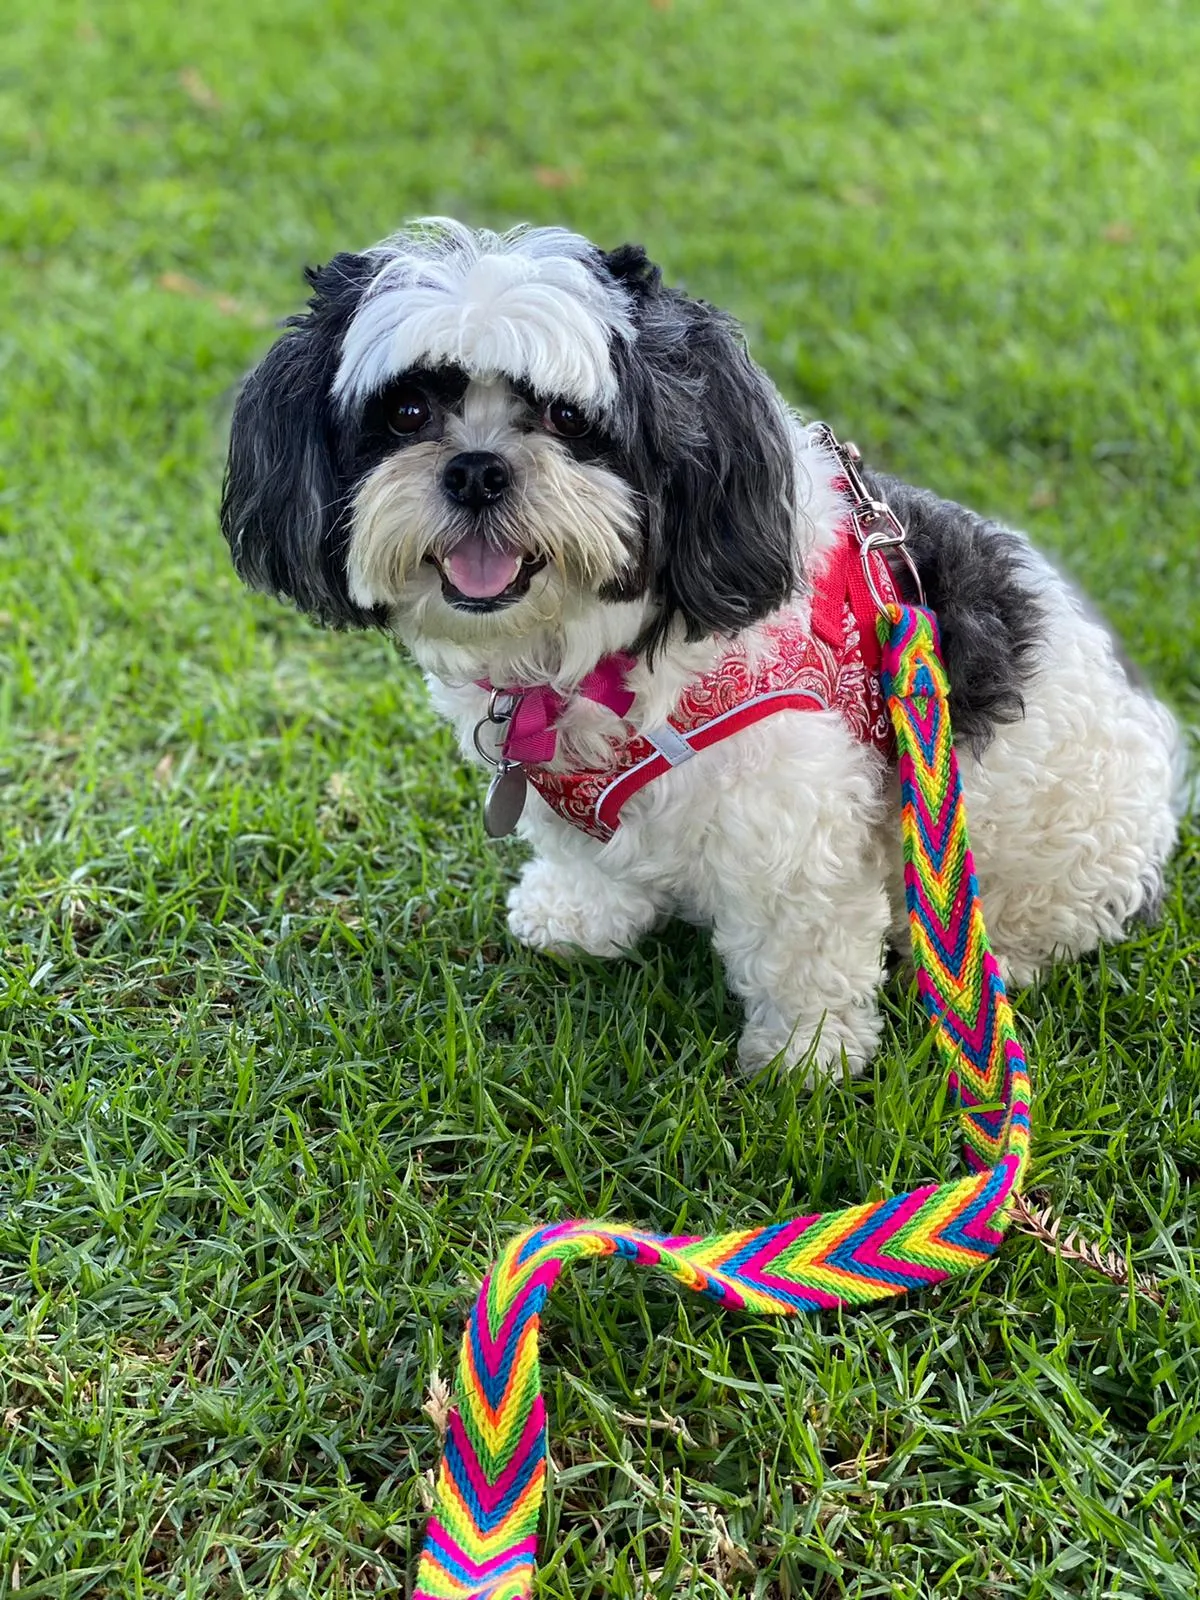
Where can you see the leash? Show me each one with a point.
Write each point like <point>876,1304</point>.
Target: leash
<point>481,1540</point>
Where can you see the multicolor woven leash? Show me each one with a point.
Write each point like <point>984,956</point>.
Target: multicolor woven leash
<point>481,1541</point>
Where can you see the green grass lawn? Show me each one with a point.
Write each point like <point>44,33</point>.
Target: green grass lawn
<point>274,1082</point>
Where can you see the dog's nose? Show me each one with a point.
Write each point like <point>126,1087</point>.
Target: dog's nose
<point>476,478</point>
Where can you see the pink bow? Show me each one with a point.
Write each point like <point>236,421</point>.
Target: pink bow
<point>531,738</point>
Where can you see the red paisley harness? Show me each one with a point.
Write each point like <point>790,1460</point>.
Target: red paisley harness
<point>833,667</point>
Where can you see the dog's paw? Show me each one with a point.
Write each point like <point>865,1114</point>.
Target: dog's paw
<point>841,1039</point>
<point>1020,972</point>
<point>552,910</point>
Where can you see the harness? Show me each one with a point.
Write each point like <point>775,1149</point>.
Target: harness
<point>831,665</point>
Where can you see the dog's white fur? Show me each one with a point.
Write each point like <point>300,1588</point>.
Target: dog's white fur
<point>521,303</point>
<point>784,839</point>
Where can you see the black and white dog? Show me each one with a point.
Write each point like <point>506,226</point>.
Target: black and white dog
<point>526,458</point>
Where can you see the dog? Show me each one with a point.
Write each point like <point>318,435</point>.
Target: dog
<point>608,543</point>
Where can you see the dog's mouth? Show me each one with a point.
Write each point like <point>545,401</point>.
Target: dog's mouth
<point>484,573</point>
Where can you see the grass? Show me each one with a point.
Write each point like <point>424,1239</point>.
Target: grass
<point>274,1083</point>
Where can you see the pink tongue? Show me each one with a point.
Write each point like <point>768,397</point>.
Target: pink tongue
<point>481,569</point>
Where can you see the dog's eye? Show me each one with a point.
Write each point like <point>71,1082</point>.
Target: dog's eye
<point>561,417</point>
<point>408,410</point>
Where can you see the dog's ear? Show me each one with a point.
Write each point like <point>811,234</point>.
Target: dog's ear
<point>633,269</point>
<point>727,556</point>
<point>284,507</point>
<point>716,462</point>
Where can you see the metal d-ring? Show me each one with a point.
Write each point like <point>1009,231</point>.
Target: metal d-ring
<point>501,705</point>
<point>496,712</point>
<point>485,756</point>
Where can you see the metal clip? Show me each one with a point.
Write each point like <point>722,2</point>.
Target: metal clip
<point>879,529</point>
<point>889,545</point>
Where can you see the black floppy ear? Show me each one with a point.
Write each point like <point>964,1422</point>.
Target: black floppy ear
<point>633,269</point>
<point>715,458</point>
<point>729,514</point>
<point>284,506</point>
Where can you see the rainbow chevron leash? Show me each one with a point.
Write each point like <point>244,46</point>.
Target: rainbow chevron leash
<point>481,1541</point>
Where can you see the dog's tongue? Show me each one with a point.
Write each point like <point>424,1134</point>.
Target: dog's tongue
<point>481,568</point>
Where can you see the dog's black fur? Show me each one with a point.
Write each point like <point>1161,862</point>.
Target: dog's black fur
<point>976,578</point>
<point>290,476</point>
<point>701,434</point>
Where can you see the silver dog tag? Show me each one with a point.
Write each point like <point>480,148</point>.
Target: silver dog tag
<point>505,802</point>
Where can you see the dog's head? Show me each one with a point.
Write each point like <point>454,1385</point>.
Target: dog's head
<point>476,438</point>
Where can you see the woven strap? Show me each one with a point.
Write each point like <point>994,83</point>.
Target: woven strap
<point>482,1537</point>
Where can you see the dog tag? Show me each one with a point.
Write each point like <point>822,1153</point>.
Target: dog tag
<point>505,802</point>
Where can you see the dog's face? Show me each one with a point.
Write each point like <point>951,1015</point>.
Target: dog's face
<point>485,510</point>
<point>474,439</point>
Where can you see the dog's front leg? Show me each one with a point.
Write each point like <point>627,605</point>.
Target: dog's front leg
<point>799,906</point>
<point>567,900</point>
<point>808,973</point>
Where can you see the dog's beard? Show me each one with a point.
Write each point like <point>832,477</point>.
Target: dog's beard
<point>566,532</point>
